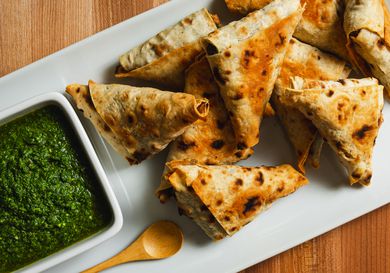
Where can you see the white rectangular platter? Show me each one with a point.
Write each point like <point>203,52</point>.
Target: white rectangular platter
<point>319,207</point>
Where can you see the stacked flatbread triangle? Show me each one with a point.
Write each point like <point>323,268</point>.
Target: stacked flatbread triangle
<point>137,122</point>
<point>347,113</point>
<point>164,57</point>
<point>245,58</point>
<point>321,24</point>
<point>367,26</point>
<point>210,140</point>
<point>309,62</point>
<point>228,76</point>
<point>223,199</point>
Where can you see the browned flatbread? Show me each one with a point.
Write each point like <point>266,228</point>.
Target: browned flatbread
<point>209,141</point>
<point>366,24</point>
<point>223,199</point>
<point>82,98</point>
<point>308,62</point>
<point>321,24</point>
<point>164,57</point>
<point>246,6</point>
<point>348,114</point>
<point>137,122</point>
<point>245,58</point>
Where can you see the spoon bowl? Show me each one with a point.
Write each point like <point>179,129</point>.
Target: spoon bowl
<point>161,240</point>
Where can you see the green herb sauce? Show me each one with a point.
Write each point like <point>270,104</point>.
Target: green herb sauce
<point>47,201</point>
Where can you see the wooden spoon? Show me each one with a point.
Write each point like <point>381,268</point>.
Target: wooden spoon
<point>160,240</point>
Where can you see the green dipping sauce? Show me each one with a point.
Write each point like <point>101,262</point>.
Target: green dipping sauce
<point>49,198</point>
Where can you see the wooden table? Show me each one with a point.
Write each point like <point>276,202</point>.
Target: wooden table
<point>32,29</point>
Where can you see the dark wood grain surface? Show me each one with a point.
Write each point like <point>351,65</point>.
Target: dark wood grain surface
<point>32,29</point>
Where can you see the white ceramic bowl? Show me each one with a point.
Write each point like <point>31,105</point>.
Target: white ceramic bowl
<point>115,225</point>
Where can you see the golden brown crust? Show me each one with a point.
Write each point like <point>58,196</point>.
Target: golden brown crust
<point>83,100</point>
<point>366,25</point>
<point>308,62</point>
<point>321,24</point>
<point>387,22</point>
<point>348,115</point>
<point>167,70</point>
<point>246,6</point>
<point>245,191</point>
<point>137,122</point>
<point>246,69</point>
<point>211,140</point>
<point>164,57</point>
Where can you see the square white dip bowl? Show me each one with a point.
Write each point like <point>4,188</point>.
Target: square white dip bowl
<point>115,224</point>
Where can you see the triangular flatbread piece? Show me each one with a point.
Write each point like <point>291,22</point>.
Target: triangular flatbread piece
<point>308,62</point>
<point>137,122</point>
<point>222,199</point>
<point>348,114</point>
<point>164,57</point>
<point>209,141</point>
<point>321,24</point>
<point>245,58</point>
<point>365,23</point>
<point>82,98</point>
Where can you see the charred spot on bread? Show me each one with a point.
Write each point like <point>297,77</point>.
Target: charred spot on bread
<point>219,202</point>
<point>188,21</point>
<point>356,174</point>
<point>203,182</point>
<point>227,54</point>
<point>232,229</point>
<point>241,146</point>
<point>361,133</point>
<point>330,93</point>
<point>181,145</point>
<point>251,204</point>
<point>282,40</point>
<point>381,43</point>
<point>342,81</point>
<point>130,119</point>
<point>260,178</point>
<point>280,188</point>
<point>217,144</point>
<point>238,96</point>
<point>239,182</point>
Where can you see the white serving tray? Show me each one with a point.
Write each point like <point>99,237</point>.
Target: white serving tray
<point>314,209</point>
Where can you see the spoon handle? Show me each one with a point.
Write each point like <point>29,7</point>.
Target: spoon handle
<point>104,265</point>
<point>134,252</point>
